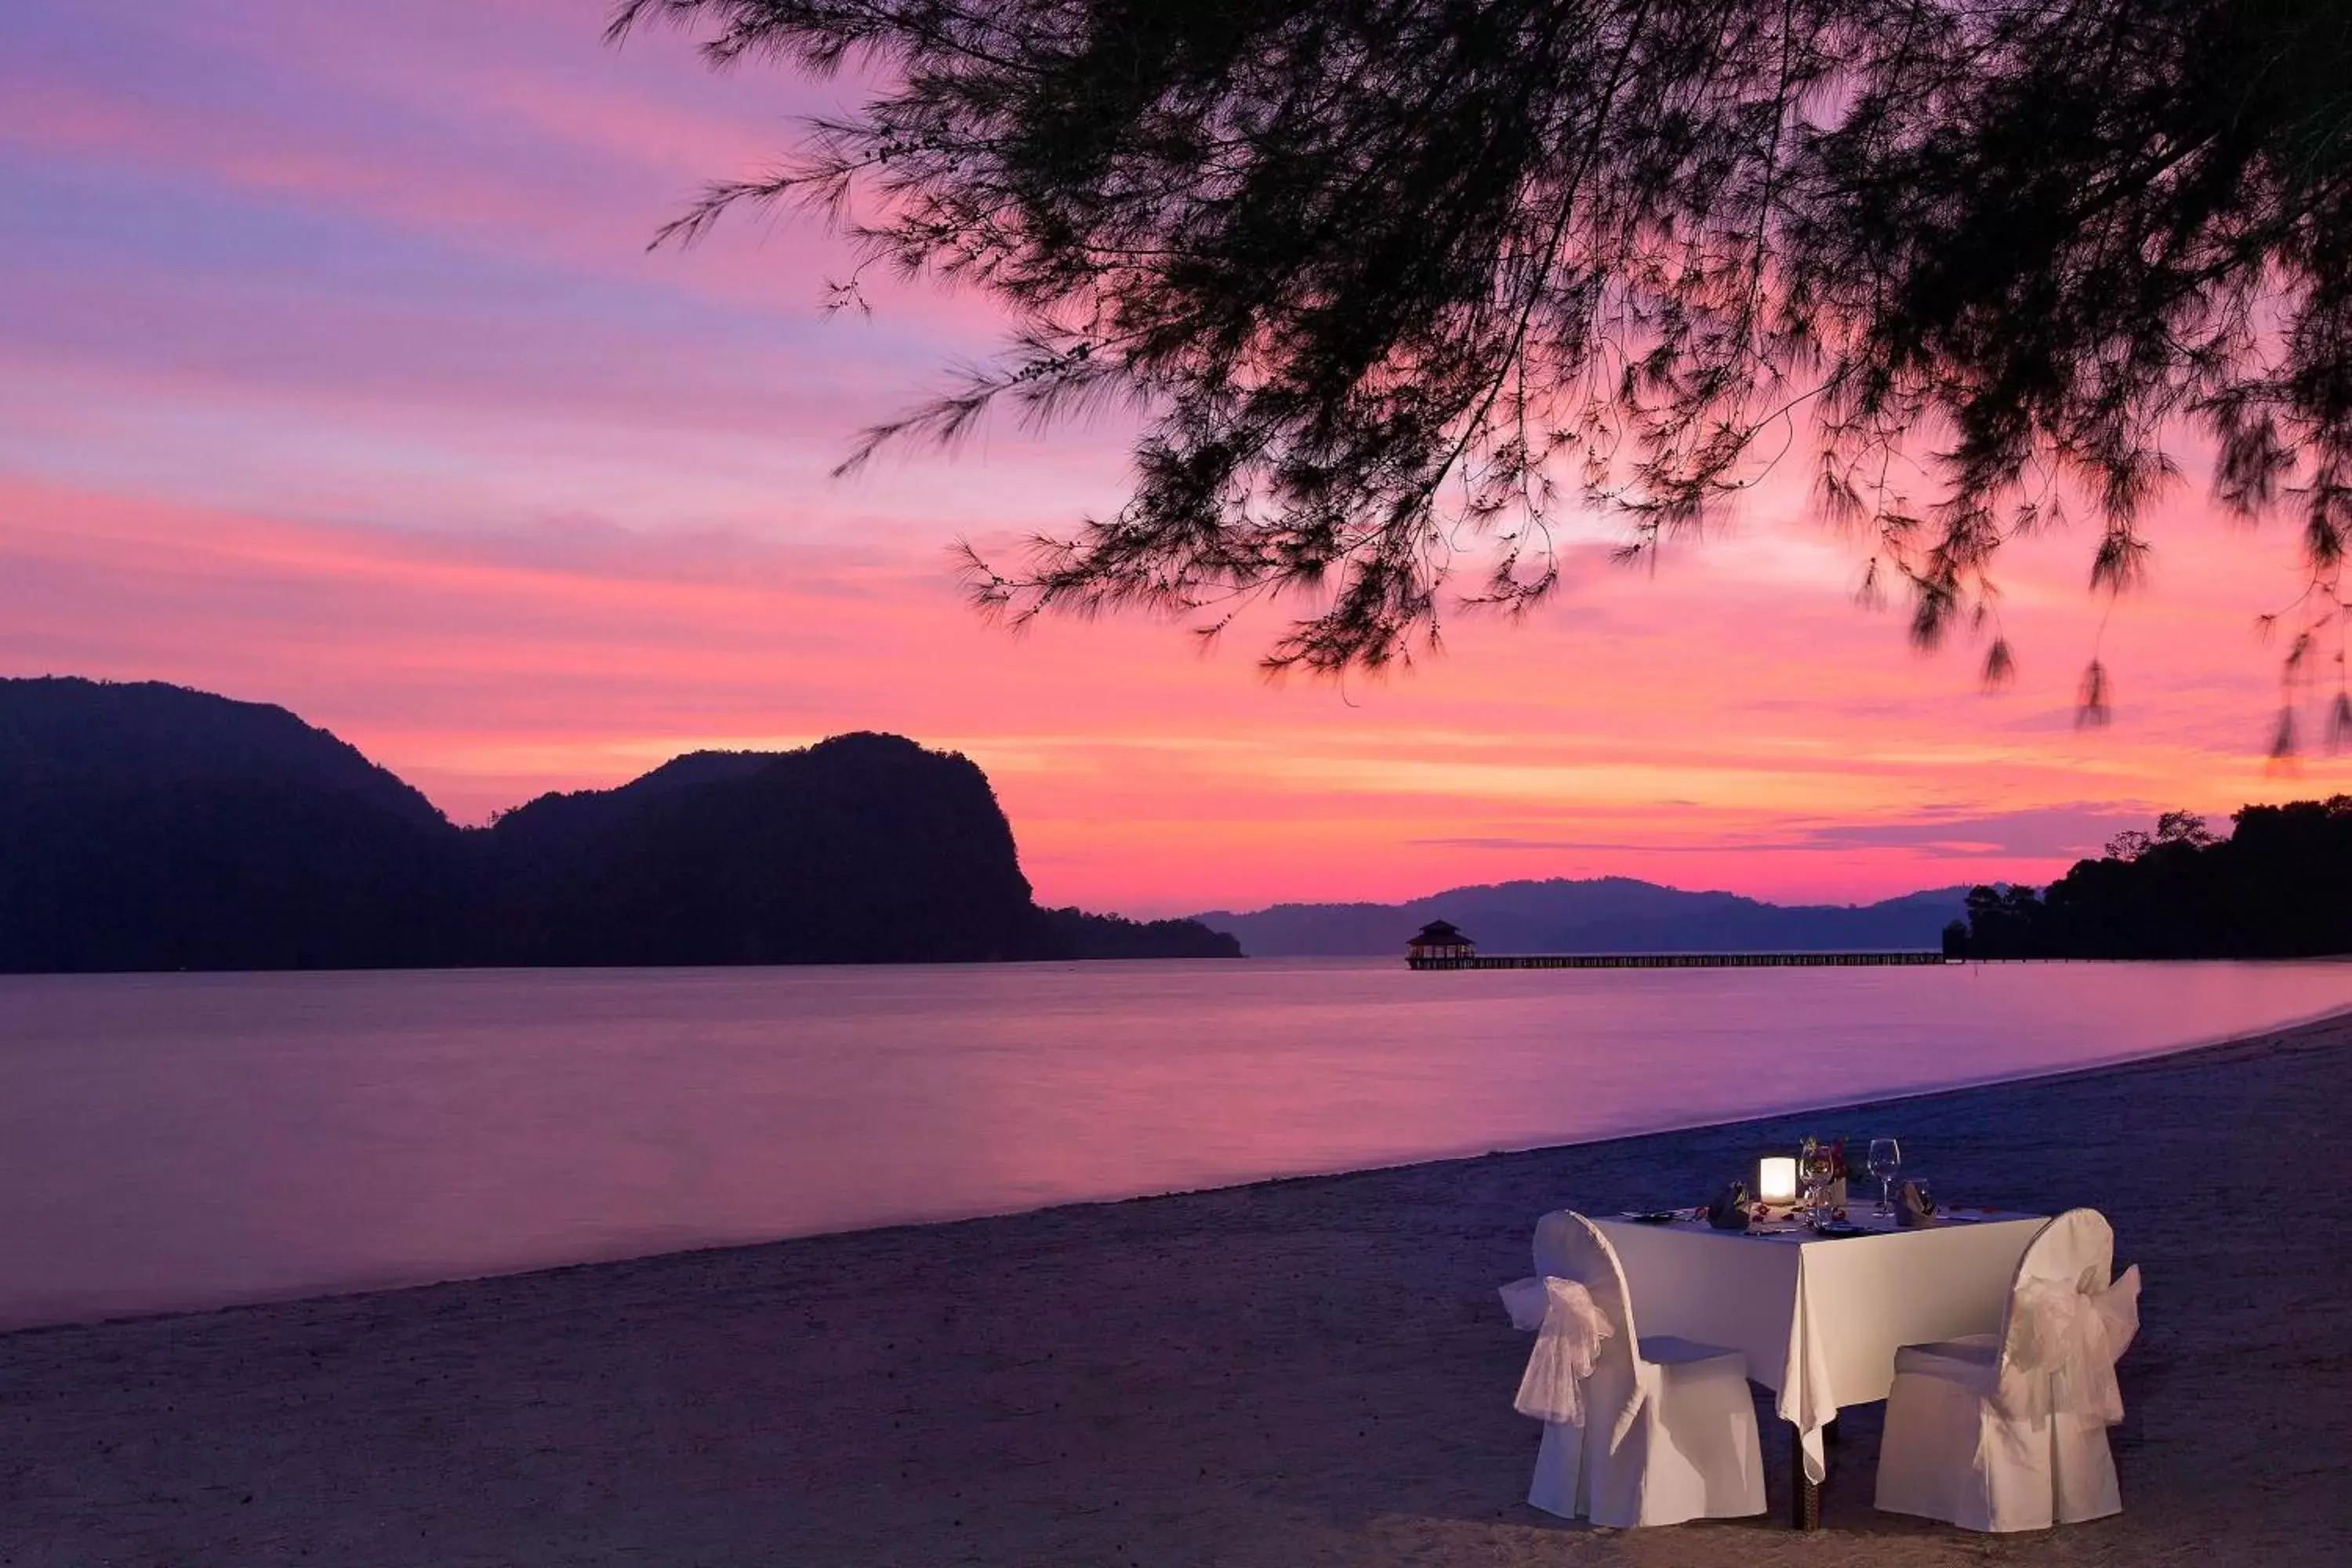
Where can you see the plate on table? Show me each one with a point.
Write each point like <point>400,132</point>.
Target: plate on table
<point>1657,1216</point>
<point>1838,1230</point>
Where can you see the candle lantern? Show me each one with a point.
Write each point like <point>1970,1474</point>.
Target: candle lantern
<point>1776,1179</point>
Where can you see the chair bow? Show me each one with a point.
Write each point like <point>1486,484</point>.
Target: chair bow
<point>2063,1339</point>
<point>1567,1346</point>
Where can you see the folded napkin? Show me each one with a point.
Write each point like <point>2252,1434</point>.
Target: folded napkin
<point>1570,1326</point>
<point>1913,1208</point>
<point>1729,1210</point>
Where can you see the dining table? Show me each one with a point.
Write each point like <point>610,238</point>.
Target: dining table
<point>1819,1316</point>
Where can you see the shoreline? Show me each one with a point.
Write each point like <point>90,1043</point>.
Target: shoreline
<point>1304,1370</point>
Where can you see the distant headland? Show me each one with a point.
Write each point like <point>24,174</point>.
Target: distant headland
<point>2278,885</point>
<point>1596,915</point>
<point>147,826</point>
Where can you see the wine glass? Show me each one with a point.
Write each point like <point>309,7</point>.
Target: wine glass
<point>1815,1169</point>
<point>1886,1164</point>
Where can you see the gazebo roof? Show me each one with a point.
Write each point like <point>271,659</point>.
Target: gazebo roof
<point>1443,932</point>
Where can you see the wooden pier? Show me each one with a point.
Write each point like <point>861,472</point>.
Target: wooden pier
<point>1682,960</point>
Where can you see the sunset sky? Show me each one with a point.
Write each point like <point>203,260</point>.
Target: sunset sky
<point>334,373</point>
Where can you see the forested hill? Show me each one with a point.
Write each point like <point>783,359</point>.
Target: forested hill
<point>1603,914</point>
<point>2279,886</point>
<point>151,827</point>
<point>57,730</point>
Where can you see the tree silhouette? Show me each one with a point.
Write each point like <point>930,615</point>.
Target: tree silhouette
<point>2272,889</point>
<point>1395,284</point>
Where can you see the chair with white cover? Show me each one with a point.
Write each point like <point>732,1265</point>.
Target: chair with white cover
<point>1636,1431</point>
<point>2009,1431</point>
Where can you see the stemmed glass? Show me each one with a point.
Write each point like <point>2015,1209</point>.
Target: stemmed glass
<point>1886,1164</point>
<point>1815,1167</point>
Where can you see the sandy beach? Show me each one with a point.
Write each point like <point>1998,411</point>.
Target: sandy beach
<point>1313,1370</point>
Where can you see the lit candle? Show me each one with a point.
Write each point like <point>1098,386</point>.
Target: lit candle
<point>1776,1179</point>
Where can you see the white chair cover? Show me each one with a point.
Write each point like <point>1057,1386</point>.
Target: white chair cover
<point>1626,1440</point>
<point>2009,1432</point>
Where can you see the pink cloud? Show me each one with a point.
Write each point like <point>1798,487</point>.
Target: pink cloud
<point>534,141</point>
<point>490,668</point>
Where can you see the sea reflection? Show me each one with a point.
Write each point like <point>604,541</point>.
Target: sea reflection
<point>195,1140</point>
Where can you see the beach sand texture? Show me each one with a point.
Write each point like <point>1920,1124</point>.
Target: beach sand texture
<point>1303,1372</point>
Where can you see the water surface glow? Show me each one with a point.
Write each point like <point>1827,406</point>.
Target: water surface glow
<point>182,1141</point>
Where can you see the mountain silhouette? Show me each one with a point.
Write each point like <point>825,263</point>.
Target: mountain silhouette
<point>147,826</point>
<point>62,729</point>
<point>715,861</point>
<point>1603,914</point>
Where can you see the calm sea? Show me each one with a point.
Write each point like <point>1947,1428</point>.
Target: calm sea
<point>176,1140</point>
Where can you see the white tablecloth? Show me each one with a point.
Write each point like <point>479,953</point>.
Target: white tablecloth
<point>1820,1320</point>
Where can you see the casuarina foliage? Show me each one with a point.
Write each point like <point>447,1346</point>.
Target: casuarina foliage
<point>1398,285</point>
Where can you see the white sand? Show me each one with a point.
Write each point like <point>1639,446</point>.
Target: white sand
<point>1297,1373</point>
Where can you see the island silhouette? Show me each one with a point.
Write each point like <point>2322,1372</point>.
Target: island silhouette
<point>149,826</point>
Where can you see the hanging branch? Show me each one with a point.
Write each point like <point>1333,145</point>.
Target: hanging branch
<point>1395,285</point>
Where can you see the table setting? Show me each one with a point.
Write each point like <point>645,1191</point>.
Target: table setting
<point>1815,1281</point>
<point>1803,1197</point>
